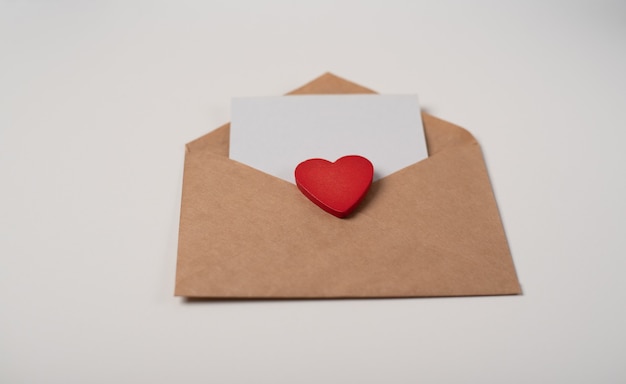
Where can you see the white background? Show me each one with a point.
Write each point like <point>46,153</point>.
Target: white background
<point>97,100</point>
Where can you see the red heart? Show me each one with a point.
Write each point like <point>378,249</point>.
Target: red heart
<point>335,187</point>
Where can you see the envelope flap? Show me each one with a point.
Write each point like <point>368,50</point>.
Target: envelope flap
<point>216,141</point>
<point>330,84</point>
<point>439,133</point>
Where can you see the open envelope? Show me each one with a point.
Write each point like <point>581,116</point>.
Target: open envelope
<point>430,229</point>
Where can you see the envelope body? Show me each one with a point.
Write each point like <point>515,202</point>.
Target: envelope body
<point>430,229</point>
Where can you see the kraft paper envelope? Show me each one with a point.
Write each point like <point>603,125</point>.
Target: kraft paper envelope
<point>431,229</point>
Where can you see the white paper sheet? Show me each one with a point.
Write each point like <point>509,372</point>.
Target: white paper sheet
<point>275,134</point>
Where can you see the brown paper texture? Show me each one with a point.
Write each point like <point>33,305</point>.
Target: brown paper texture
<point>431,229</point>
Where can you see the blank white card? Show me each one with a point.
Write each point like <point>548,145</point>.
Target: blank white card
<point>275,134</point>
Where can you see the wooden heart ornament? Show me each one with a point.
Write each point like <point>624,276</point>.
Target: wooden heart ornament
<point>335,187</point>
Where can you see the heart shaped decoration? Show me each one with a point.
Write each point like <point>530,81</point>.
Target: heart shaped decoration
<point>336,187</point>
